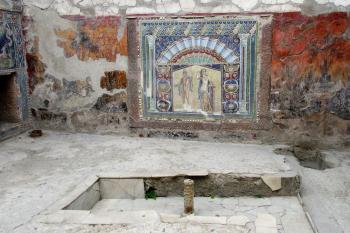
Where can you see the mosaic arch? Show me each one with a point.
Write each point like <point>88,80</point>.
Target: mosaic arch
<point>202,70</point>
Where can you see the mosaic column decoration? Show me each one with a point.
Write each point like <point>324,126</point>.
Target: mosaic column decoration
<point>150,92</point>
<point>243,74</point>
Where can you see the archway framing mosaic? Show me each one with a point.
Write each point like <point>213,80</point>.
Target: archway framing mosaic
<point>199,72</point>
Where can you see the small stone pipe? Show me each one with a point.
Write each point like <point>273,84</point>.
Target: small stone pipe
<point>188,196</point>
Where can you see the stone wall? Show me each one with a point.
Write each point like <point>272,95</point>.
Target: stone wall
<point>77,63</point>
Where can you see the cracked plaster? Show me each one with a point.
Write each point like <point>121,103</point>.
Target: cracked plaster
<point>113,7</point>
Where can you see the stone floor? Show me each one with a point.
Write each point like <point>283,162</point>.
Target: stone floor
<point>281,214</point>
<point>326,193</point>
<point>36,173</point>
<point>6,125</point>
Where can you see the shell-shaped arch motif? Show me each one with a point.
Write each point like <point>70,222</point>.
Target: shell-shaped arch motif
<point>197,43</point>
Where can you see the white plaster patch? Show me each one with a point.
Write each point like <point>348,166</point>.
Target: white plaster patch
<point>139,10</point>
<point>102,11</point>
<point>278,8</point>
<point>340,2</point>
<point>225,9</point>
<point>166,6</point>
<point>274,1</point>
<point>245,5</point>
<point>64,7</point>
<point>97,2</point>
<point>111,7</point>
<point>202,9</point>
<point>127,2</point>
<point>84,3</point>
<point>43,4</point>
<point>187,5</point>
<point>322,1</point>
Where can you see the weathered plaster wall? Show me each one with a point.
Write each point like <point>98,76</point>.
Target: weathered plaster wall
<point>310,85</point>
<point>77,70</point>
<point>77,59</point>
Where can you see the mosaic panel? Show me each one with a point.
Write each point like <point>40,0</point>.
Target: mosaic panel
<point>11,41</point>
<point>198,68</point>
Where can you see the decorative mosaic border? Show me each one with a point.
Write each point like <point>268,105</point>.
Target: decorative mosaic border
<point>13,21</point>
<point>11,25</point>
<point>260,120</point>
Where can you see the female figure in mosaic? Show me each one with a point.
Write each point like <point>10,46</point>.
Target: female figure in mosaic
<point>185,88</point>
<point>205,92</point>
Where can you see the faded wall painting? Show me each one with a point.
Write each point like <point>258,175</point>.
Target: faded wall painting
<point>196,68</point>
<point>310,81</point>
<point>94,38</point>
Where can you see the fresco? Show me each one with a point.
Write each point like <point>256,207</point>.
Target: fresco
<point>195,68</point>
<point>306,47</point>
<point>112,80</point>
<point>86,41</point>
<point>310,65</point>
<point>310,80</point>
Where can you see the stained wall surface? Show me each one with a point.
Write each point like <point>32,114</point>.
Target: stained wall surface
<point>77,60</point>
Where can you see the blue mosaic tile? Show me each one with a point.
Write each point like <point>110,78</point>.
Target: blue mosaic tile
<point>199,67</point>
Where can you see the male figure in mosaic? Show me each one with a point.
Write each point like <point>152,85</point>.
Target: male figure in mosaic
<point>185,88</point>
<point>205,92</point>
